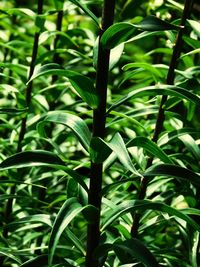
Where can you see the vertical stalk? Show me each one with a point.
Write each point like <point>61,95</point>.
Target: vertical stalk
<point>9,204</point>
<point>161,113</point>
<point>99,120</point>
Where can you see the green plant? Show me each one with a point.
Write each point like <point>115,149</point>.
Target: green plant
<point>99,133</point>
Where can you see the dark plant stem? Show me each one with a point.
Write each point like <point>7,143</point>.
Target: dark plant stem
<point>9,204</point>
<point>99,120</point>
<point>56,57</point>
<point>161,113</point>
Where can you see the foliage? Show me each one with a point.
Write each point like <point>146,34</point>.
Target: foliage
<point>50,151</point>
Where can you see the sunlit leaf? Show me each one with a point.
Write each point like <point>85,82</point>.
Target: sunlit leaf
<point>168,90</point>
<point>76,124</point>
<point>39,158</point>
<point>175,171</point>
<point>134,205</point>
<point>83,85</point>
<point>118,146</point>
<point>150,146</point>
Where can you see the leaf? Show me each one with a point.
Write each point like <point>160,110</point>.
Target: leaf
<point>195,51</point>
<point>118,146</point>
<point>77,242</point>
<point>13,111</point>
<point>69,210</point>
<point>21,11</point>
<point>76,124</point>
<point>115,55</point>
<point>195,25</point>
<point>83,85</point>
<point>152,23</point>
<point>151,147</point>
<point>131,249</point>
<point>99,150</point>
<point>134,205</point>
<point>191,145</point>
<point>149,67</point>
<point>168,137</point>
<point>86,10</point>
<point>123,32</point>
<point>117,34</point>
<point>9,254</point>
<point>173,171</point>
<point>38,218</point>
<point>29,159</point>
<point>168,90</point>
<point>40,158</point>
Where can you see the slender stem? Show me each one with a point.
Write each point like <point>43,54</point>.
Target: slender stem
<point>161,113</point>
<point>99,120</point>
<point>9,204</point>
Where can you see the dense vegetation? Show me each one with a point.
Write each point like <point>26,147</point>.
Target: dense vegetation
<point>100,133</point>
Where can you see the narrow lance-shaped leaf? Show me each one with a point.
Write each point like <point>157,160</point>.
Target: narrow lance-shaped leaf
<point>173,171</point>
<point>134,205</point>
<point>40,158</point>
<point>86,10</point>
<point>70,209</point>
<point>118,146</point>
<point>168,137</point>
<point>13,111</point>
<point>151,147</point>
<point>82,84</point>
<point>76,124</point>
<point>152,23</point>
<point>168,90</point>
<point>124,32</point>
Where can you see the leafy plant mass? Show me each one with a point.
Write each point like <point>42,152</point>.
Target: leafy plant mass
<point>100,157</point>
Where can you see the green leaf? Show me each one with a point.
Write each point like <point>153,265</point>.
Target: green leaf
<point>99,150</point>
<point>191,145</point>
<point>151,147</point>
<point>117,34</point>
<point>173,171</point>
<point>123,32</point>
<point>168,137</point>
<point>69,210</point>
<point>76,124</point>
<point>168,90</point>
<point>149,67</point>
<point>134,205</point>
<point>13,111</point>
<point>129,250</point>
<point>195,25</point>
<point>118,146</point>
<point>40,158</point>
<point>86,10</point>
<point>38,218</point>
<point>115,54</point>
<point>83,85</point>
<point>29,159</point>
<point>152,23</point>
<point>9,254</point>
